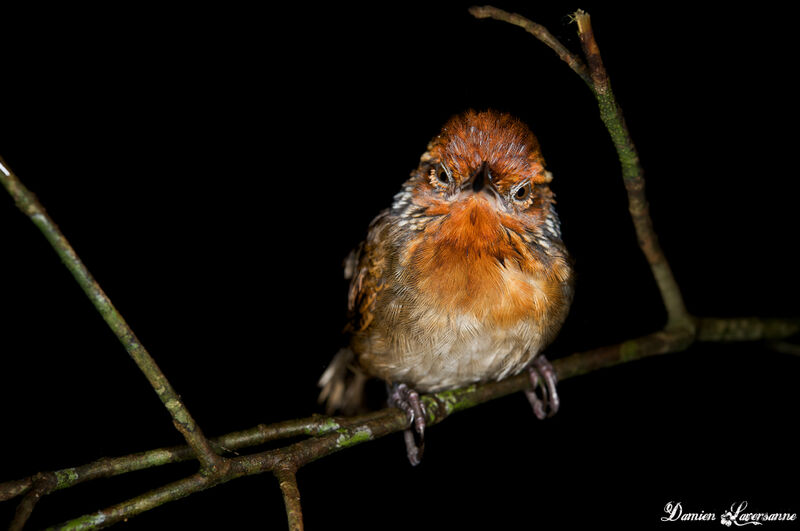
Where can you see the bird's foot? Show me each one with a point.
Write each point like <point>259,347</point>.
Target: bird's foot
<point>407,399</point>
<point>542,395</point>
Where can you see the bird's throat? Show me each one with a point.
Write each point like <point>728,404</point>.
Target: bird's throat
<point>465,263</point>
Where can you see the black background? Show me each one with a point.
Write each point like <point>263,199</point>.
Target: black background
<point>213,166</point>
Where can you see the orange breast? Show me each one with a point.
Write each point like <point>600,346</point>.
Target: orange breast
<point>467,263</point>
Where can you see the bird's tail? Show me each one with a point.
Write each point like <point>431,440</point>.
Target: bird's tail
<point>343,385</point>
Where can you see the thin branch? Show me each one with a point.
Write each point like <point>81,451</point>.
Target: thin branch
<point>27,202</point>
<point>150,500</point>
<point>785,347</point>
<point>294,456</point>
<point>595,75</point>
<point>633,177</point>
<point>109,467</point>
<point>41,485</point>
<point>291,497</point>
<point>745,328</point>
<point>329,435</point>
<point>538,31</point>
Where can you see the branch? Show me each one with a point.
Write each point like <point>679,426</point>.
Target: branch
<point>183,421</point>
<point>540,32</point>
<point>784,347</point>
<point>291,497</point>
<point>109,467</point>
<point>745,329</point>
<point>329,435</point>
<point>41,484</point>
<point>633,176</point>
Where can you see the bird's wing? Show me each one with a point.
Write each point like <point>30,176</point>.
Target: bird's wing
<point>342,382</point>
<point>366,266</point>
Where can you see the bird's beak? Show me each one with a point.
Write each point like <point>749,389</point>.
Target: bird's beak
<point>481,180</point>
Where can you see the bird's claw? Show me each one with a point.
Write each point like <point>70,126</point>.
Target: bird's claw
<point>543,395</point>
<point>407,399</point>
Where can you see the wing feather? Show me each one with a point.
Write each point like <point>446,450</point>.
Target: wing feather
<point>367,265</point>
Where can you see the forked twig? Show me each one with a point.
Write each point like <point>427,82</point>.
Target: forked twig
<point>328,435</point>
<point>594,74</point>
<point>27,202</point>
<point>540,32</point>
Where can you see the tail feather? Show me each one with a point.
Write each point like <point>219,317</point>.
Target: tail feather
<point>342,385</point>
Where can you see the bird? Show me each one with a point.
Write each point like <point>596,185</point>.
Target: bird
<point>463,279</point>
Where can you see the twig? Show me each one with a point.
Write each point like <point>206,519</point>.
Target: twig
<point>785,347</point>
<point>745,328</point>
<point>538,31</point>
<point>291,497</point>
<point>110,467</point>
<point>150,500</point>
<point>594,74</point>
<point>330,435</point>
<point>41,485</point>
<point>633,176</point>
<point>183,421</point>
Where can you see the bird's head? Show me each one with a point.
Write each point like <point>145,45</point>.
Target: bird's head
<point>483,166</point>
<point>488,152</point>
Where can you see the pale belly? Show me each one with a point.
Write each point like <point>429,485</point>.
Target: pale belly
<point>447,352</point>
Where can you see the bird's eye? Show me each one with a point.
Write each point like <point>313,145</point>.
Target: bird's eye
<point>442,175</point>
<point>523,192</point>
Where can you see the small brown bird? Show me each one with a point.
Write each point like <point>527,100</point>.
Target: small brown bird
<point>464,279</point>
